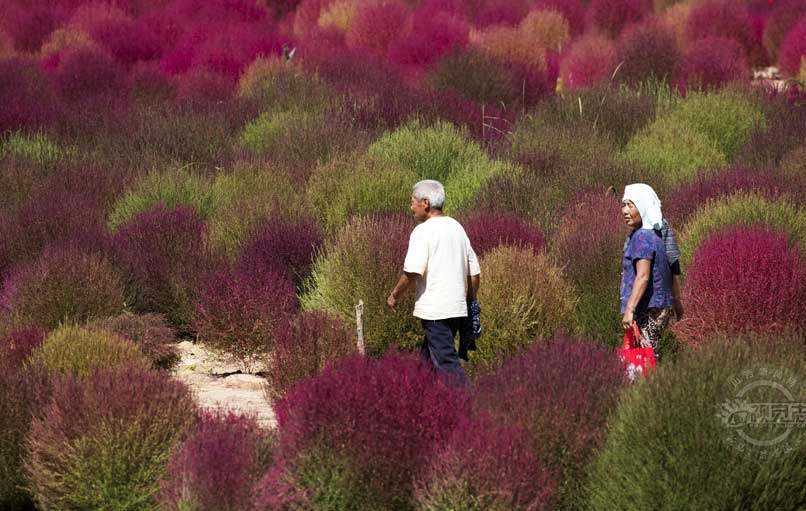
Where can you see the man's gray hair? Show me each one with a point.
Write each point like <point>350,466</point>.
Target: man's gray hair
<point>431,190</point>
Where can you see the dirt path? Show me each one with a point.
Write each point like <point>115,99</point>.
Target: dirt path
<point>220,383</point>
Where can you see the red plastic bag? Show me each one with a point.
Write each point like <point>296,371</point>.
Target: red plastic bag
<point>638,360</point>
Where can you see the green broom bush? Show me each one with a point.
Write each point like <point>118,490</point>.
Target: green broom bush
<point>668,447</point>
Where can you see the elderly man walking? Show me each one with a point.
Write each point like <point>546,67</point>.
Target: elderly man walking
<point>444,267</point>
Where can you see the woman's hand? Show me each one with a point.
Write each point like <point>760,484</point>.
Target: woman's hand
<point>678,309</point>
<point>627,320</point>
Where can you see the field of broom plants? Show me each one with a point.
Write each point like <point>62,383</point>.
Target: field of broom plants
<point>238,173</point>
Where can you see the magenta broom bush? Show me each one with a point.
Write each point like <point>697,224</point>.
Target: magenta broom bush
<point>202,90</point>
<point>589,60</point>
<point>686,199</point>
<point>362,430</point>
<point>163,253</point>
<point>711,62</point>
<point>16,345</point>
<point>30,25</point>
<point>217,466</point>
<point>303,346</point>
<point>128,41</point>
<point>62,285</point>
<point>375,26</point>
<point>612,16</point>
<point>648,52</point>
<point>105,441</point>
<point>82,74</point>
<point>27,95</point>
<point>148,84</point>
<point>485,465</point>
<point>282,246</point>
<point>792,54</point>
<point>723,18</point>
<point>500,12</point>
<point>572,10</point>
<point>489,229</point>
<point>428,37</point>
<point>562,393</point>
<point>150,332</point>
<point>239,312</point>
<point>742,279</point>
<point>784,16</point>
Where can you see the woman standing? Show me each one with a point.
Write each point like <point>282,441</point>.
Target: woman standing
<point>646,281</point>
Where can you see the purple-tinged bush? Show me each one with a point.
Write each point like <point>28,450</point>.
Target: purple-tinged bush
<point>128,41</point>
<point>562,393</point>
<point>77,352</point>
<point>743,279</point>
<point>427,37</point>
<point>239,312</point>
<point>104,441</point>
<point>780,134</point>
<point>591,256</point>
<point>148,84</point>
<point>612,16</point>
<point>203,91</point>
<point>362,430</point>
<point>500,12</point>
<point>17,344</point>
<point>303,346</point>
<point>572,10</point>
<point>218,465</point>
<point>23,391</point>
<point>281,246</point>
<point>647,53</point>
<point>61,286</point>
<point>489,229</point>
<point>792,54</point>
<point>27,97</point>
<point>375,26</point>
<point>150,332</point>
<point>712,62</point>
<point>485,466</point>
<point>793,169</point>
<point>706,442</point>
<point>724,18</point>
<point>30,25</point>
<point>681,203</point>
<point>82,74</point>
<point>526,298</point>
<point>784,16</point>
<point>591,59</point>
<point>163,253</point>
<point>362,262</point>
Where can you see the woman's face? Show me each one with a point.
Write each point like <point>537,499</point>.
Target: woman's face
<point>630,214</point>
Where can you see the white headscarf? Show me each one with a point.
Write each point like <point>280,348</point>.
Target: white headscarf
<point>648,204</point>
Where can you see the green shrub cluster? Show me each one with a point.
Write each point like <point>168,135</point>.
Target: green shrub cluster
<point>742,209</point>
<point>525,298</point>
<point>178,186</point>
<point>36,147</point>
<point>676,439</point>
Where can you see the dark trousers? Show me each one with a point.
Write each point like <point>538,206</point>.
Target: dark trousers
<point>440,349</point>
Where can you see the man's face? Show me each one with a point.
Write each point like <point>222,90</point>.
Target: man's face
<point>419,208</point>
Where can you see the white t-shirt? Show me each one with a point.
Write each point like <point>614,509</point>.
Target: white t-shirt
<point>440,251</point>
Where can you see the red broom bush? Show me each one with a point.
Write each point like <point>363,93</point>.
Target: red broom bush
<point>27,97</point>
<point>711,62</point>
<point>742,279</point>
<point>239,312</point>
<point>485,466</point>
<point>62,285</point>
<point>375,26</point>
<point>150,332</point>
<point>589,60</point>
<point>204,91</point>
<point>303,346</point>
<point>428,36</point>
<point>128,41</point>
<point>365,428</point>
<point>784,16</point>
<point>792,55</point>
<point>163,253</point>
<point>572,10</point>
<point>16,345</point>
<point>30,25</point>
<point>562,393</point>
<point>148,84</point>
<point>282,246</point>
<point>82,74</point>
<point>217,466</point>
<point>500,12</point>
<point>723,18</point>
<point>612,16</point>
<point>489,229</point>
<point>104,441</point>
<point>648,52</point>
<point>685,200</point>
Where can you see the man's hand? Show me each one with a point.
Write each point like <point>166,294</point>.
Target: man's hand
<point>403,283</point>
<point>627,320</point>
<point>391,301</point>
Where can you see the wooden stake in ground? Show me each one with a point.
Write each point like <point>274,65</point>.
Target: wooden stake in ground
<point>359,323</point>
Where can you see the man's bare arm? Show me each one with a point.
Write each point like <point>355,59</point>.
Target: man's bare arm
<point>473,282</point>
<point>403,283</point>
